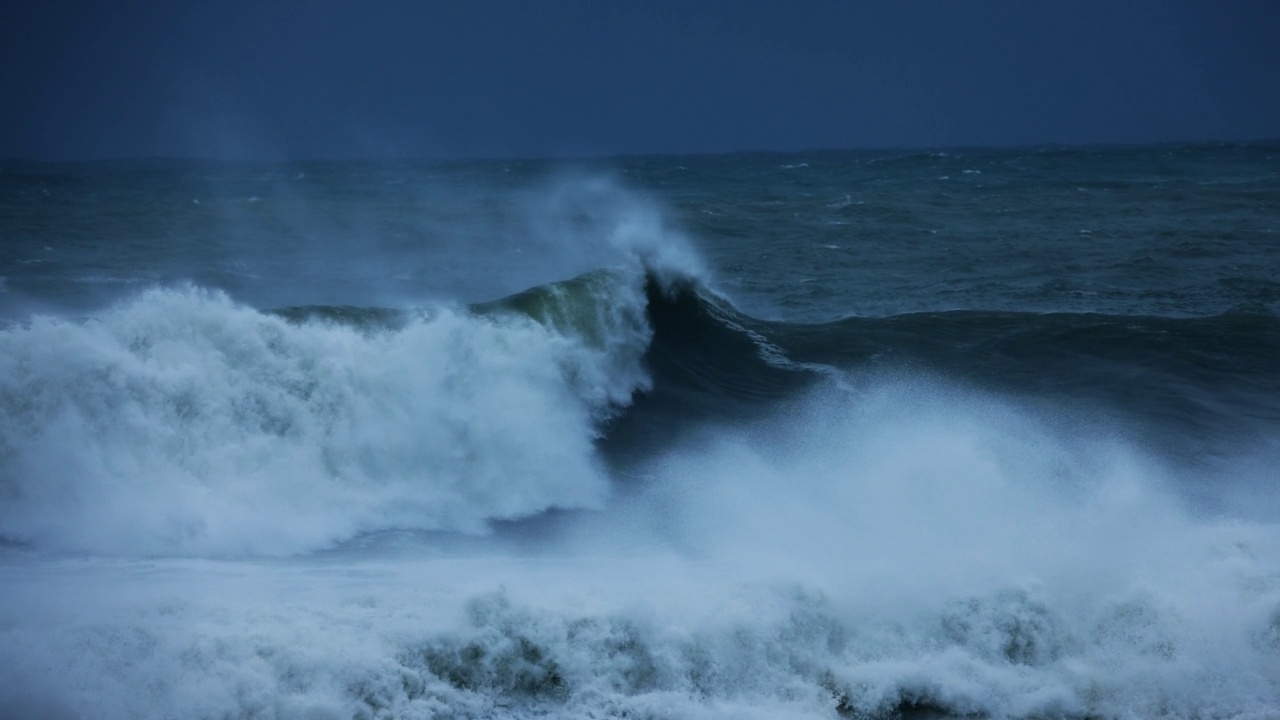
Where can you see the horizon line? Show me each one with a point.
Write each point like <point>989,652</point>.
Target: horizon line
<point>603,156</point>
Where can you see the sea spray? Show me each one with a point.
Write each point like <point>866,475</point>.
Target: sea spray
<point>589,221</point>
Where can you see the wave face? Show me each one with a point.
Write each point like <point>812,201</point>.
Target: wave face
<point>636,491</point>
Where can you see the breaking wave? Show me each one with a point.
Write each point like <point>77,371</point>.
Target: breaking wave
<point>956,514</point>
<point>182,423</point>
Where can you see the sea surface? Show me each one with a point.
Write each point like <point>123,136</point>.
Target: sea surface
<point>974,433</point>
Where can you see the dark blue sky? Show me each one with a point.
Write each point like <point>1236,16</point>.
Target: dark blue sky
<point>446,78</point>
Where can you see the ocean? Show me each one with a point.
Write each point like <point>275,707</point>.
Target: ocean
<point>971,433</point>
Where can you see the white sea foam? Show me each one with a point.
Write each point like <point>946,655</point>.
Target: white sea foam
<point>182,423</point>
<point>887,544</point>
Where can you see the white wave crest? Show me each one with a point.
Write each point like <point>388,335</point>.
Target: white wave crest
<point>182,423</point>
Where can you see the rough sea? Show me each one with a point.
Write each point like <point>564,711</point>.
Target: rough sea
<point>974,433</point>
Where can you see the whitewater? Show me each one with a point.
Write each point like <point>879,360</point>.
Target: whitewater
<point>643,444</point>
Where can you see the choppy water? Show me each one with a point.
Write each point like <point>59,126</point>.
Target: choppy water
<point>985,433</point>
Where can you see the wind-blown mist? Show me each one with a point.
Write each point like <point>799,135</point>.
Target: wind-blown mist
<point>612,493</point>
